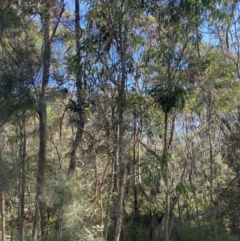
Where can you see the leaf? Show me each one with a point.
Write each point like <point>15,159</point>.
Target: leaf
<point>169,97</point>
<point>165,159</point>
<point>181,188</point>
<point>49,112</point>
<point>68,49</point>
<point>43,8</point>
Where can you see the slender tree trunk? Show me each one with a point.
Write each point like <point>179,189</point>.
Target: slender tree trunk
<point>121,177</point>
<point>1,28</point>
<point>154,227</point>
<point>58,229</point>
<point>41,170</point>
<point>137,170</point>
<point>115,150</point>
<point>189,156</point>
<point>135,184</point>
<point>43,126</point>
<point>96,174</point>
<point>115,156</point>
<point>195,199</point>
<point>121,168</point>
<point>107,208</point>
<point>167,201</point>
<point>196,205</point>
<point>135,162</point>
<point>2,195</point>
<point>211,170</point>
<point>138,153</point>
<point>102,212</point>
<point>3,222</point>
<point>23,179</point>
<point>80,92</point>
<point>35,221</point>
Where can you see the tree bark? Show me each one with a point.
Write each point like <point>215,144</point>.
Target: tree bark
<point>121,167</point>
<point>42,111</point>
<point>23,147</point>
<point>35,222</point>
<point>154,227</point>
<point>2,196</point>
<point>195,199</point>
<point>1,28</point>
<point>115,150</point>
<point>3,222</point>
<point>80,92</point>
<point>211,168</point>
<point>167,202</point>
<point>135,162</point>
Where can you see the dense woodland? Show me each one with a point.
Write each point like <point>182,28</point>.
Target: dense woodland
<point>120,120</point>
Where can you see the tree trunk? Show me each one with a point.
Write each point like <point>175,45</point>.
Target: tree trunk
<point>196,206</point>
<point>41,170</point>
<point>121,167</point>
<point>153,228</point>
<point>137,172</point>
<point>3,222</point>
<point>211,169</point>
<point>35,221</point>
<point>41,192</point>
<point>156,218</point>
<point>58,229</point>
<point>80,92</point>
<point>195,200</point>
<point>115,150</point>
<point>1,29</point>
<point>135,162</point>
<point>2,196</point>
<point>167,202</point>
<point>23,179</point>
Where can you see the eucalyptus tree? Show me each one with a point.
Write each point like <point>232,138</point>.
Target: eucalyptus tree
<point>205,123</point>
<point>224,27</point>
<point>133,67</point>
<point>47,39</point>
<point>112,23</point>
<point>178,25</point>
<point>78,106</point>
<point>224,89</point>
<point>19,64</point>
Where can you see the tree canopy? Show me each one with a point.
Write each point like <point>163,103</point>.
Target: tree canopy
<point>119,120</point>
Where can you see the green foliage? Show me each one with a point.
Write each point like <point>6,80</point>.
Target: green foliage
<point>156,45</point>
<point>162,160</point>
<point>76,107</point>
<point>181,188</point>
<point>231,152</point>
<point>169,97</point>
